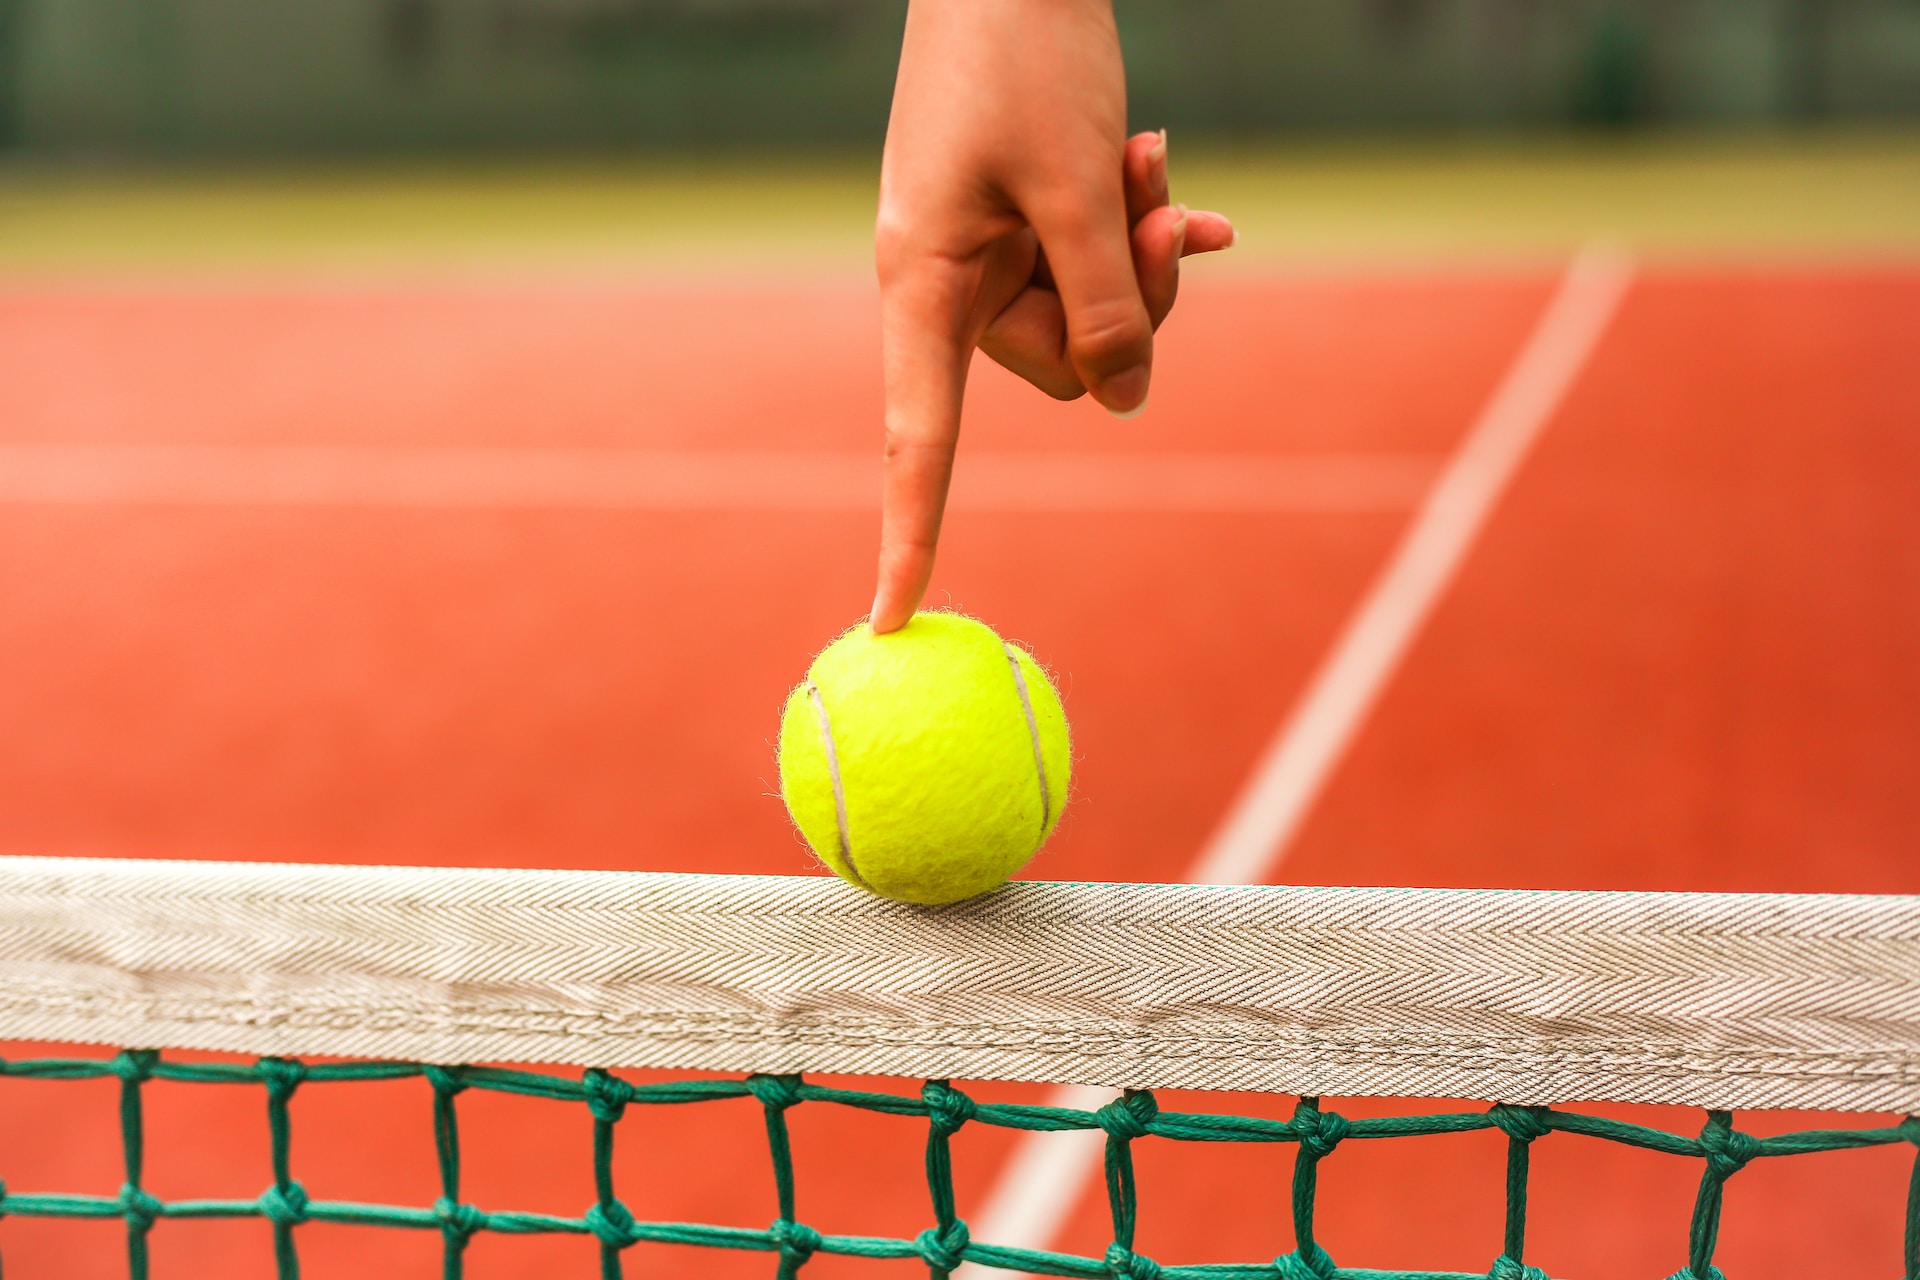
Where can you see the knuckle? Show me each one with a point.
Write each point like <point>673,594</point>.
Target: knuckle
<point>907,250</point>
<point>1110,335</point>
<point>909,547</point>
<point>903,448</point>
<point>892,244</point>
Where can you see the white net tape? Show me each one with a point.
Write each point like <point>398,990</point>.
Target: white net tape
<point>1717,1000</point>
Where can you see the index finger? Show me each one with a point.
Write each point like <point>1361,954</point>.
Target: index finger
<point>925,349</point>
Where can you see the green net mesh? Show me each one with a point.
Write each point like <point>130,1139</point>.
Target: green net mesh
<point>945,1244</point>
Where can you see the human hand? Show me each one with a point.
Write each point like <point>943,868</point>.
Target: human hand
<point>1017,217</point>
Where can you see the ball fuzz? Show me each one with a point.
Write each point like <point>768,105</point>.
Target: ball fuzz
<point>927,764</point>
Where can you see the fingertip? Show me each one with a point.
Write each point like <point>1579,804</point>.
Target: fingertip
<point>903,581</point>
<point>1124,395</point>
<point>1147,144</point>
<point>1208,232</point>
<point>884,616</point>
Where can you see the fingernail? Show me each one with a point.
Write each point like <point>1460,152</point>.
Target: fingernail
<point>1235,242</point>
<point>1124,395</point>
<point>1157,163</point>
<point>1180,231</point>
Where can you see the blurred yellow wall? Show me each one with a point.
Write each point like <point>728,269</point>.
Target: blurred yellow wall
<point>1847,193</point>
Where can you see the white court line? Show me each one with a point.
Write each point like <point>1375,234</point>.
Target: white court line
<point>688,480</point>
<point>1047,1174</point>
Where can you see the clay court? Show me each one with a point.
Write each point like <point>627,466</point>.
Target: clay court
<point>429,550</point>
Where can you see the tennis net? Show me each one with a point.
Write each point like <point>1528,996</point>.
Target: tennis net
<point>1529,1000</point>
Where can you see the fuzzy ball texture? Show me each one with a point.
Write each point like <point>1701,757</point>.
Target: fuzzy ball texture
<point>928,764</point>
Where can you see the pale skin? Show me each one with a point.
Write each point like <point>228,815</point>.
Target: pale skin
<point>1017,217</point>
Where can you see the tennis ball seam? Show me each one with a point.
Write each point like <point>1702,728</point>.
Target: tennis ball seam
<point>839,789</point>
<point>1033,732</point>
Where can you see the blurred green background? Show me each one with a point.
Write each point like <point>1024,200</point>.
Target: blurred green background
<point>322,134</point>
<point>231,77</point>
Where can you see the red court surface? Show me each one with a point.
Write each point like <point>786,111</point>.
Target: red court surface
<point>1679,656</point>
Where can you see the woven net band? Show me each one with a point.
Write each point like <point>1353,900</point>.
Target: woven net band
<point>1709,1000</point>
<point>1717,1000</point>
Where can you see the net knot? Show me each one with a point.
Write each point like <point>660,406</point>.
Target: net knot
<point>947,1107</point>
<point>1311,1265</point>
<point>1129,1115</point>
<point>458,1222</point>
<point>447,1080</point>
<point>1727,1149</point>
<point>281,1076</point>
<point>139,1208</point>
<point>1319,1131</point>
<point>1506,1268</point>
<point>777,1092</point>
<point>612,1225</point>
<point>607,1095</point>
<point>796,1240</point>
<point>284,1206</point>
<point>1909,1129</point>
<point>1522,1124</point>
<point>1124,1264</point>
<point>943,1248</point>
<point>1688,1273</point>
<point>134,1066</point>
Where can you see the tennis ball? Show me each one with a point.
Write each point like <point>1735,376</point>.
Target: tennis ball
<point>927,764</point>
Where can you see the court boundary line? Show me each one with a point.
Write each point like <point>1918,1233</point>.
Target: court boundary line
<point>1045,1178</point>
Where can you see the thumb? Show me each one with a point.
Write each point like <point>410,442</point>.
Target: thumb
<point>1109,335</point>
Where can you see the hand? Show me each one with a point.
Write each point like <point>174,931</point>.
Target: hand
<point>1017,217</point>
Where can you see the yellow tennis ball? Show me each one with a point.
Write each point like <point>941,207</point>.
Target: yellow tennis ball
<point>927,764</point>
